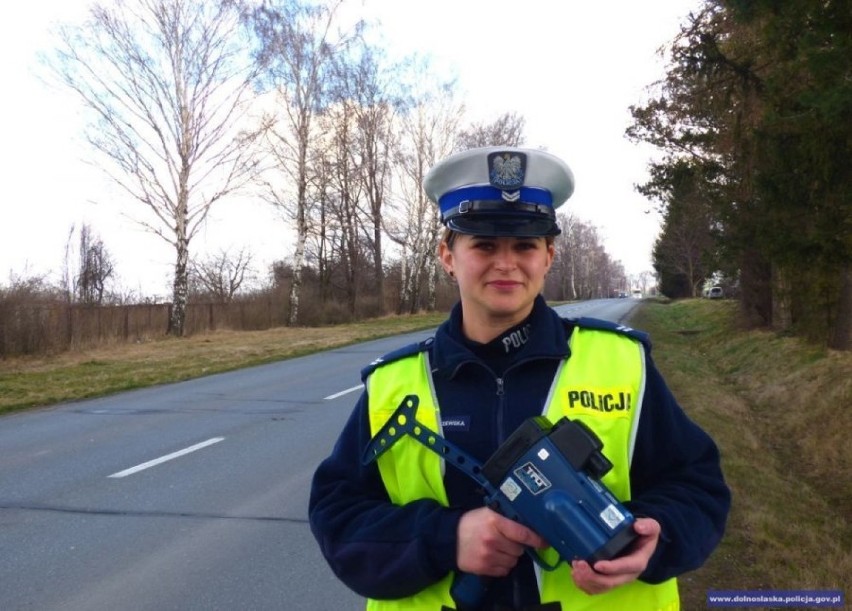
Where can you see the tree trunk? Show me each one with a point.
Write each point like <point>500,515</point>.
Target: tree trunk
<point>432,280</point>
<point>404,272</point>
<point>782,311</point>
<point>295,287</point>
<point>411,290</point>
<point>377,263</point>
<point>756,289</point>
<point>177,323</point>
<point>841,333</point>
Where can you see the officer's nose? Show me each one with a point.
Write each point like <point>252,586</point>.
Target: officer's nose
<point>506,259</point>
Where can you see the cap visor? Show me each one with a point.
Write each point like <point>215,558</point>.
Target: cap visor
<point>501,226</point>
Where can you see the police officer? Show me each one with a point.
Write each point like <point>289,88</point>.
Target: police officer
<point>399,531</point>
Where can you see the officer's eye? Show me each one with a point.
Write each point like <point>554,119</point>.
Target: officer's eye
<point>484,245</point>
<point>526,245</point>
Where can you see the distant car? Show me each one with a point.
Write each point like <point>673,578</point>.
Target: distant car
<point>716,292</point>
<point>637,294</point>
<point>622,295</point>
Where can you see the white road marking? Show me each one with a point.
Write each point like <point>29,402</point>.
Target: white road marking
<point>167,457</point>
<point>344,392</point>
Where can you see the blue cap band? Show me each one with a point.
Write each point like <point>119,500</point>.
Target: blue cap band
<point>527,195</point>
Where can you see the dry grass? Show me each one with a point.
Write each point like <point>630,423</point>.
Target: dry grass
<point>26,382</point>
<point>778,409</point>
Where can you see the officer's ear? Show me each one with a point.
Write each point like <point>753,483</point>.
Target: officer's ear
<point>551,252</point>
<point>445,256</point>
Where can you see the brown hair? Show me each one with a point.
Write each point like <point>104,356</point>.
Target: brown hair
<point>450,237</point>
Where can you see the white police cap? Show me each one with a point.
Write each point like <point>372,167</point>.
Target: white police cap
<point>500,191</point>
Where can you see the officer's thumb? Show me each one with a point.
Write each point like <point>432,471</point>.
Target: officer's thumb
<point>647,527</point>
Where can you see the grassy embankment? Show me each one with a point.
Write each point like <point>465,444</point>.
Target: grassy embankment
<point>779,410</point>
<point>27,382</point>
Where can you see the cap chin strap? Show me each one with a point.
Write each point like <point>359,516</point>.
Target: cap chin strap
<point>490,206</point>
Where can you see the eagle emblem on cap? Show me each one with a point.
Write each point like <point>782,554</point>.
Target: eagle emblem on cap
<point>506,170</point>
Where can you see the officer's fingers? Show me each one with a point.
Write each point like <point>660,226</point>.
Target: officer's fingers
<point>476,522</point>
<point>513,531</point>
<point>639,553</point>
<point>586,579</point>
<point>481,548</point>
<point>474,526</point>
<point>608,574</point>
<point>498,564</point>
<point>629,567</point>
<point>632,563</point>
<point>591,581</point>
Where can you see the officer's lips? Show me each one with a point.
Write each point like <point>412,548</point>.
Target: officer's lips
<point>504,285</point>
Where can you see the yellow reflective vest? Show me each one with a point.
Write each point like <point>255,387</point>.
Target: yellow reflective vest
<point>601,384</point>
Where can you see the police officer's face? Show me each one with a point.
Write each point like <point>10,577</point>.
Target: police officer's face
<point>498,278</point>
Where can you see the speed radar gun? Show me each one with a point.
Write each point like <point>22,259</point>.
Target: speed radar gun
<point>545,476</point>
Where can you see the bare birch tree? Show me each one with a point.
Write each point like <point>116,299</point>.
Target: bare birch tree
<point>372,88</point>
<point>344,190</point>
<point>298,45</point>
<point>357,150</point>
<point>166,81</point>
<point>428,130</point>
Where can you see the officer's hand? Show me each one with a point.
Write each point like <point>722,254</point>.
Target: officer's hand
<point>490,544</point>
<point>610,573</point>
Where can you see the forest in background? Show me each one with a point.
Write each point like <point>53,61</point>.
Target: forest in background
<point>752,121</point>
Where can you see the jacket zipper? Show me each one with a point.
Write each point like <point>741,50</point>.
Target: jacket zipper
<point>501,394</point>
<point>501,409</point>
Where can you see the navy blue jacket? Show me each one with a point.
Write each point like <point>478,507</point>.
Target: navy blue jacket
<point>381,550</point>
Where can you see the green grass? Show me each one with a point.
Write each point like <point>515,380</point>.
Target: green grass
<point>780,410</point>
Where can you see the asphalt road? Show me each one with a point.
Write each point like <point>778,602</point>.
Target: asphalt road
<point>185,496</point>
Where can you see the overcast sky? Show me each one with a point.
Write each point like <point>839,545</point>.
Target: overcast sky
<point>570,68</point>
